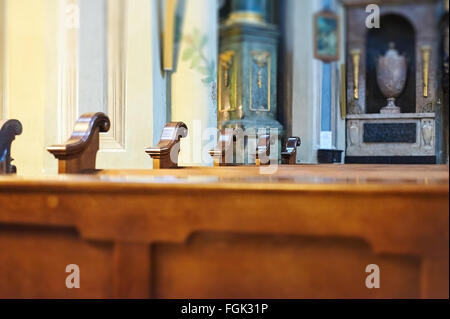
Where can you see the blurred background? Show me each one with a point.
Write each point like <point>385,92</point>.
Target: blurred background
<point>307,68</point>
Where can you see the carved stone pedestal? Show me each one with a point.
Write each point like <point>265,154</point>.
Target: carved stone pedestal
<point>391,138</point>
<point>398,60</point>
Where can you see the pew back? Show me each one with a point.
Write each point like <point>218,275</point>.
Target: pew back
<point>304,232</point>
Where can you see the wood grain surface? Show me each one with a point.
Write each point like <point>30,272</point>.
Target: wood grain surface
<point>227,232</point>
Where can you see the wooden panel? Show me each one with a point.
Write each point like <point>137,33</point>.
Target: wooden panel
<point>33,263</point>
<point>312,174</point>
<point>115,139</point>
<point>68,65</point>
<point>132,270</point>
<point>261,266</point>
<point>131,47</point>
<point>282,231</point>
<point>435,277</point>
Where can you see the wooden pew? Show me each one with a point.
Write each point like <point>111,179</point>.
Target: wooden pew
<point>289,156</point>
<point>223,153</point>
<point>9,129</point>
<point>305,231</point>
<point>79,153</point>
<point>165,155</point>
<point>262,156</point>
<point>164,236</point>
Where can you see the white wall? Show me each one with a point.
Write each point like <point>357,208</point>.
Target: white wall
<point>193,101</point>
<point>29,77</point>
<point>92,67</point>
<point>307,79</point>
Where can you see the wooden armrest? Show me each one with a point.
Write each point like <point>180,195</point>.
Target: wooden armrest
<point>8,131</point>
<point>224,147</point>
<point>289,156</point>
<point>165,154</point>
<point>79,153</point>
<point>263,150</point>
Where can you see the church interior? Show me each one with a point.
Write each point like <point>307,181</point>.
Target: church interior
<point>224,149</point>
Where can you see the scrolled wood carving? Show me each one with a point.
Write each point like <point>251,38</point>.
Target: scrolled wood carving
<point>9,129</point>
<point>263,150</point>
<point>79,153</point>
<point>223,153</point>
<point>290,155</point>
<point>165,154</point>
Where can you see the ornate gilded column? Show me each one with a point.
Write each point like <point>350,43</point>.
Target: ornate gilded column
<point>247,75</point>
<point>248,11</point>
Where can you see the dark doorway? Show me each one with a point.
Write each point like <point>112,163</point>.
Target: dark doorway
<point>396,29</point>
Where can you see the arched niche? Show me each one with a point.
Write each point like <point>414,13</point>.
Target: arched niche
<point>399,30</point>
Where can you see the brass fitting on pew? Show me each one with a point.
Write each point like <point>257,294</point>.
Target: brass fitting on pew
<point>79,153</point>
<point>223,153</point>
<point>289,156</point>
<point>165,154</point>
<point>8,131</point>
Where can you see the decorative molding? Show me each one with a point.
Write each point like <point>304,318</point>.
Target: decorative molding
<point>226,61</point>
<point>426,52</point>
<point>335,102</point>
<point>68,77</point>
<point>428,132</point>
<point>169,34</point>
<point>356,58</point>
<point>353,133</point>
<point>317,98</point>
<point>79,152</point>
<point>68,67</point>
<point>115,138</point>
<point>8,131</point>
<point>343,90</point>
<point>263,60</point>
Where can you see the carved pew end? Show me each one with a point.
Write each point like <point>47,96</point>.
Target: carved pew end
<point>216,155</point>
<point>165,154</point>
<point>79,153</point>
<point>289,156</point>
<point>263,150</point>
<point>224,149</point>
<point>9,129</point>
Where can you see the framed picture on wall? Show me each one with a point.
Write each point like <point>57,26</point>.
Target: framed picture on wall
<point>326,36</point>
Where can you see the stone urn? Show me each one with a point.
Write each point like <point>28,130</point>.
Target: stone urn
<point>391,77</point>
